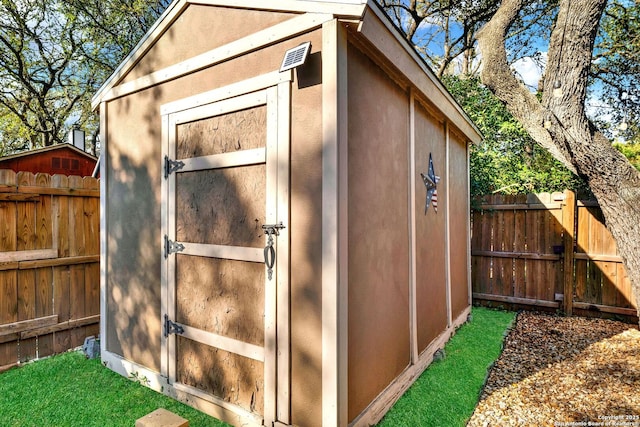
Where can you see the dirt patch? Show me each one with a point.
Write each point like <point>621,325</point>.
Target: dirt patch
<point>557,371</point>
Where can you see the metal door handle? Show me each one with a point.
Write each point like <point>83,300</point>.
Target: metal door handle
<point>269,251</point>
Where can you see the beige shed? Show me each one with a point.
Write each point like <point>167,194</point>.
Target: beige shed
<point>271,253</point>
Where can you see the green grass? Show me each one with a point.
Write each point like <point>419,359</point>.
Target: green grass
<point>446,394</point>
<point>69,390</point>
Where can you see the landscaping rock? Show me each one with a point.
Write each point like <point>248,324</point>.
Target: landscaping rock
<point>558,371</point>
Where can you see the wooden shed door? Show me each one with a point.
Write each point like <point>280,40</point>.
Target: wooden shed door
<point>226,171</point>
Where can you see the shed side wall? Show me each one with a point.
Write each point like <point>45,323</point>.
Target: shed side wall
<point>431,275</point>
<point>378,231</point>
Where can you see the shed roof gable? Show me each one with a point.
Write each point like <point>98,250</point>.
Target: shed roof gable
<point>341,8</point>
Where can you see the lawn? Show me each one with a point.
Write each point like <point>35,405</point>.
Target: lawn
<point>448,391</point>
<point>69,390</point>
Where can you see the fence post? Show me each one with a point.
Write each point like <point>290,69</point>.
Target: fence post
<point>568,222</point>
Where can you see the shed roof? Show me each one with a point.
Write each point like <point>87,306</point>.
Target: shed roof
<point>316,11</point>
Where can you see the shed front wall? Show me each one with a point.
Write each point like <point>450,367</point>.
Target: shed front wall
<point>133,184</point>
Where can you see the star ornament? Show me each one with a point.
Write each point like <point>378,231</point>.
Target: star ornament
<point>431,180</point>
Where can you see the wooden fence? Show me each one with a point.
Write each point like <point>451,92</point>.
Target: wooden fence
<point>49,264</point>
<point>547,250</point>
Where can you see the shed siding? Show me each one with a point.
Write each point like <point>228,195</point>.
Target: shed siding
<point>216,26</point>
<point>378,232</point>
<point>431,275</point>
<point>459,226</point>
<point>133,234</point>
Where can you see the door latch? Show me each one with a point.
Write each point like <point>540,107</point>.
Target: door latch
<point>269,251</point>
<point>171,327</point>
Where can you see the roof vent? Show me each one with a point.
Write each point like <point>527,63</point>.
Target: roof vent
<point>295,57</point>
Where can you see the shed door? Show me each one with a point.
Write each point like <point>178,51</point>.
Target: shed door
<point>224,185</point>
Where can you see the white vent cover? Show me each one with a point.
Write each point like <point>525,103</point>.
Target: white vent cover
<point>295,57</point>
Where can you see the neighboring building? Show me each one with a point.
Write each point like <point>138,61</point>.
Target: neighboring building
<point>63,159</point>
<point>208,142</point>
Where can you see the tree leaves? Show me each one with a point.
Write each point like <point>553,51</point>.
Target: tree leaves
<point>55,54</point>
<point>507,161</point>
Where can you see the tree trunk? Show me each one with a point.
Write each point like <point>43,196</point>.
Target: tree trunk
<point>558,122</point>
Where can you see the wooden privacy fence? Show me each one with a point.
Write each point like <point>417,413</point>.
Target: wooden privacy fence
<point>49,264</point>
<point>547,250</point>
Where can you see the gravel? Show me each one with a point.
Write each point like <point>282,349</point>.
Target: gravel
<point>559,371</point>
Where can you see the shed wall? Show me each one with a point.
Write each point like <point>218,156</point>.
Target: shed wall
<point>459,223</point>
<point>134,208</point>
<point>378,232</point>
<point>431,260</point>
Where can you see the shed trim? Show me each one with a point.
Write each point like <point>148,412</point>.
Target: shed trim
<point>353,8</point>
<point>283,288</point>
<point>237,158</point>
<point>244,349</point>
<point>230,91</point>
<point>237,253</point>
<point>191,395</point>
<point>334,226</point>
<point>255,41</point>
<point>447,221</point>
<point>413,310</point>
<point>104,200</point>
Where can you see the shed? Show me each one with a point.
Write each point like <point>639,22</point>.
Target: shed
<point>64,159</point>
<point>271,252</point>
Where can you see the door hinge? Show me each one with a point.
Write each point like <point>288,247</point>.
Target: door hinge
<point>171,246</point>
<point>171,327</point>
<point>171,166</point>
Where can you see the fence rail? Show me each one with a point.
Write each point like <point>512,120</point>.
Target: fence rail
<point>49,264</point>
<point>547,250</point>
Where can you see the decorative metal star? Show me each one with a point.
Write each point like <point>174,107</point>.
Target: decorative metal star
<point>430,180</point>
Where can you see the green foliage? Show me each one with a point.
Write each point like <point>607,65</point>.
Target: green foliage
<point>54,55</point>
<point>69,390</point>
<point>616,71</point>
<point>631,152</point>
<point>13,136</point>
<point>448,391</point>
<point>507,160</point>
